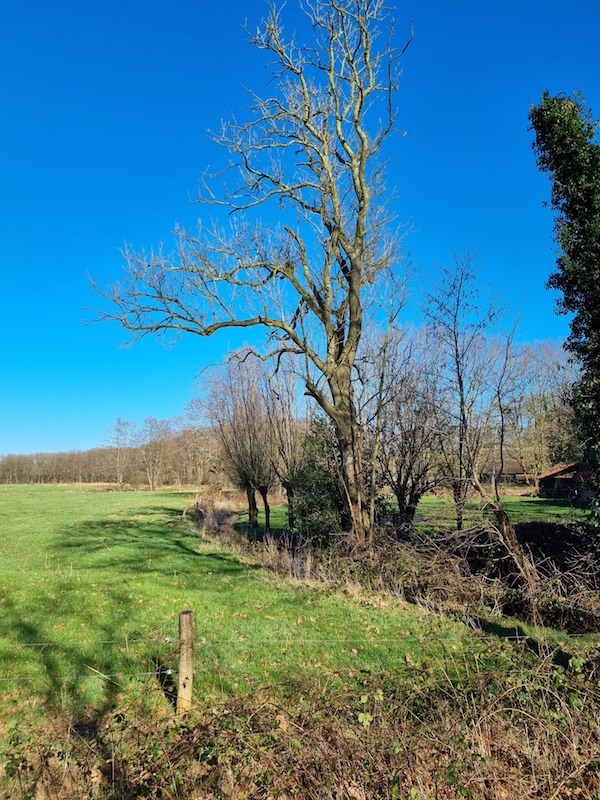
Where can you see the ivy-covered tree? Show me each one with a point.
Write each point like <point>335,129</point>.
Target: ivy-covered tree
<point>566,147</point>
<point>319,506</point>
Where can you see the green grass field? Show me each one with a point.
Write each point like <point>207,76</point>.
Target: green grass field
<point>92,583</point>
<point>296,685</point>
<point>438,512</point>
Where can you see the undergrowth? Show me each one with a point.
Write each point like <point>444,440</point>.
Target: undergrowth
<point>499,724</point>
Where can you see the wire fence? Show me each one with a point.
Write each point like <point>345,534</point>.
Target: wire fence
<point>207,641</point>
<point>518,635</point>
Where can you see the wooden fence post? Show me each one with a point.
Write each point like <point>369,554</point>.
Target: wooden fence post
<point>186,662</point>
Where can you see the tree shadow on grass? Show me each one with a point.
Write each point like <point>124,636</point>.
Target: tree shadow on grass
<point>42,666</point>
<point>80,623</point>
<point>146,542</point>
<point>517,633</point>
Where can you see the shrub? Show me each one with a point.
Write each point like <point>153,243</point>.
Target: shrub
<point>316,485</point>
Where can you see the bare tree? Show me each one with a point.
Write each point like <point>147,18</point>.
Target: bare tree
<point>468,366</point>
<point>540,420</point>
<point>120,436</point>
<point>477,375</point>
<point>152,439</point>
<point>236,407</point>
<point>198,452</point>
<point>289,426</point>
<point>409,454</point>
<point>312,154</point>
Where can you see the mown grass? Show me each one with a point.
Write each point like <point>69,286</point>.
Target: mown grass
<point>316,691</point>
<point>437,513</point>
<point>92,583</point>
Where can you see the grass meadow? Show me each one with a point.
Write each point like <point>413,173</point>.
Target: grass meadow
<point>439,511</point>
<point>92,583</point>
<point>301,689</point>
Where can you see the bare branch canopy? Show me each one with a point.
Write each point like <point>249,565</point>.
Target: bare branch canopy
<point>311,159</point>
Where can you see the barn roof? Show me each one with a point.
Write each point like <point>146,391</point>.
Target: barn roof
<point>564,471</point>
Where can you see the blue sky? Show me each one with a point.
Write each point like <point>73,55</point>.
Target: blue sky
<point>104,112</point>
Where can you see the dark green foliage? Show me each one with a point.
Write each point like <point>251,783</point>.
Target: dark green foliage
<point>316,484</point>
<point>565,144</point>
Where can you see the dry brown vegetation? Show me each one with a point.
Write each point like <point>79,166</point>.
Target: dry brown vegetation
<point>468,572</point>
<point>504,724</point>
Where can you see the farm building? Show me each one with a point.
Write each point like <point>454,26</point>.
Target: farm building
<point>565,480</point>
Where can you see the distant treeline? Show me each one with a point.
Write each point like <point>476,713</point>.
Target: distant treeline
<point>160,456</point>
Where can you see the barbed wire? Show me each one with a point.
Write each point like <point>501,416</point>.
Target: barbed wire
<point>160,670</point>
<point>244,640</point>
<point>83,676</point>
<point>125,641</point>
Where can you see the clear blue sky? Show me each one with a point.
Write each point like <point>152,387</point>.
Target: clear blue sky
<point>104,111</point>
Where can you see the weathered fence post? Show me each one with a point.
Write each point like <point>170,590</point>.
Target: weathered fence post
<point>186,662</point>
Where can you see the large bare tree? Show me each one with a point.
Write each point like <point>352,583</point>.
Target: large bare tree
<point>312,157</point>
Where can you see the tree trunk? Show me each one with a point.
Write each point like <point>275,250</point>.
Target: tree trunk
<point>291,516</point>
<point>262,490</point>
<point>522,561</point>
<point>252,507</point>
<point>459,498</point>
<point>406,511</point>
<point>508,537</point>
<point>341,411</point>
<point>354,486</point>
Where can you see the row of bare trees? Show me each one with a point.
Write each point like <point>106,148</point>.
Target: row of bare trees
<point>155,453</point>
<point>455,404</point>
<point>159,452</point>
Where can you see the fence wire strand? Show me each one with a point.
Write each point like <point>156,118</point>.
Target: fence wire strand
<point>203,641</point>
<point>517,636</point>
